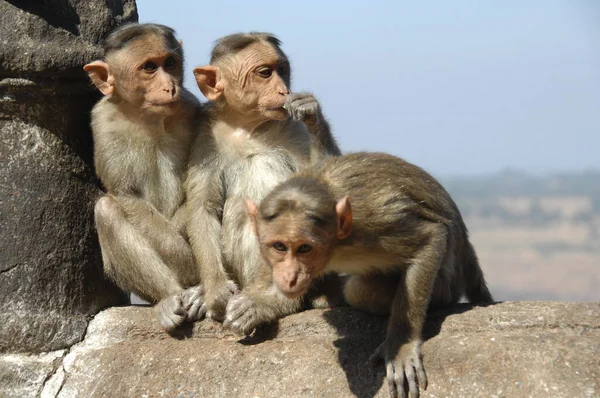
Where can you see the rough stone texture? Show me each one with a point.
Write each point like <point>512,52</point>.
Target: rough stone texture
<point>524,349</point>
<point>24,375</point>
<point>50,269</point>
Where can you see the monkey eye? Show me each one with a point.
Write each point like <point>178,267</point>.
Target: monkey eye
<point>149,66</point>
<point>170,62</point>
<point>264,72</point>
<point>304,248</point>
<point>280,247</point>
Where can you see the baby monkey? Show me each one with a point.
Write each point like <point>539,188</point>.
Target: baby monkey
<point>388,224</point>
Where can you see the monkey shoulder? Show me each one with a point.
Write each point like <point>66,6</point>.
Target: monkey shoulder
<point>376,181</point>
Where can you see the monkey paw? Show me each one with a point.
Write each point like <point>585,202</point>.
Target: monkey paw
<point>402,366</point>
<point>217,299</point>
<point>303,107</point>
<point>242,314</point>
<point>171,312</point>
<point>185,306</point>
<point>193,302</point>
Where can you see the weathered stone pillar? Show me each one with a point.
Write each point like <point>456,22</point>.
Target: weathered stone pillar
<point>51,277</point>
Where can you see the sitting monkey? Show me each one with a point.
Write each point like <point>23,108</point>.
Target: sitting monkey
<point>143,128</point>
<point>258,134</point>
<point>388,224</point>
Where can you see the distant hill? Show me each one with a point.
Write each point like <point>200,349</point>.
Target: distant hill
<point>537,237</point>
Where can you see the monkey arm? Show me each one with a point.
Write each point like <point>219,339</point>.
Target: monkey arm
<point>205,195</point>
<point>323,142</point>
<point>401,350</point>
<point>163,235</point>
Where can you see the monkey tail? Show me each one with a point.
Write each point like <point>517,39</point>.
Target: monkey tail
<point>476,288</point>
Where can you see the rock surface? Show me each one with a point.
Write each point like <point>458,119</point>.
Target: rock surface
<point>521,349</point>
<point>51,277</point>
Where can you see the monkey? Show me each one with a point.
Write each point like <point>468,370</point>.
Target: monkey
<point>389,225</point>
<point>142,130</point>
<point>259,133</point>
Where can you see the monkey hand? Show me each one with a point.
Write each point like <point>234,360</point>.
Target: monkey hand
<point>303,107</point>
<point>242,314</point>
<point>402,365</point>
<point>187,305</point>
<point>194,303</point>
<point>217,299</point>
<point>170,312</point>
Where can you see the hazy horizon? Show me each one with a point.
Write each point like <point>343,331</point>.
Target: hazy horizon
<point>460,89</point>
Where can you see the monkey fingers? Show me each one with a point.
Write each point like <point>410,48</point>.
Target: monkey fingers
<point>171,312</point>
<point>301,106</point>
<point>403,367</point>
<point>242,314</point>
<point>217,300</point>
<point>193,302</point>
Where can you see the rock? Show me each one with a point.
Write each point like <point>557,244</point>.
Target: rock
<point>524,349</point>
<point>51,277</point>
<point>23,375</point>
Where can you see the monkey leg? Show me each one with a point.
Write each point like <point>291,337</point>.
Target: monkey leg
<point>372,292</point>
<point>401,349</point>
<point>164,236</point>
<point>128,256</point>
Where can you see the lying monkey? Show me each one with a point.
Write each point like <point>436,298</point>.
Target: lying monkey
<point>402,240</point>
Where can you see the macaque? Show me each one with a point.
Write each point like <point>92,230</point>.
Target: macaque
<point>143,128</point>
<point>259,134</point>
<point>390,226</point>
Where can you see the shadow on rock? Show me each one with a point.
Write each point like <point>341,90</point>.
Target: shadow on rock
<point>183,332</point>
<point>360,335</point>
<point>261,334</point>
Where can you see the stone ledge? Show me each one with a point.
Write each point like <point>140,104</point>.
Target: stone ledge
<point>517,349</point>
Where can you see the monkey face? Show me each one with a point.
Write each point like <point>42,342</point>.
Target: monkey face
<point>152,76</point>
<point>296,254</point>
<point>257,81</point>
<point>146,74</point>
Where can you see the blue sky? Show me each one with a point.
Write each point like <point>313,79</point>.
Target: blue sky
<point>457,87</point>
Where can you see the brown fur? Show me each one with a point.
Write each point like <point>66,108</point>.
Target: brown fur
<point>388,224</point>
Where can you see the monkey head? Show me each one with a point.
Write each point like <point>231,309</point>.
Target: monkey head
<point>298,226</point>
<point>144,70</point>
<point>252,82</point>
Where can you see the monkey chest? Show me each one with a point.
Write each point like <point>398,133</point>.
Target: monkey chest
<point>253,175</point>
<point>155,174</point>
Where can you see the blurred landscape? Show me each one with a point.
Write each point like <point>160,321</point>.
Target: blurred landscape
<point>537,237</point>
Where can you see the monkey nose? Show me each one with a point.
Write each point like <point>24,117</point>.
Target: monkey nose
<point>291,279</point>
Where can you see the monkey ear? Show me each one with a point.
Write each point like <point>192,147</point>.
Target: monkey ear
<point>344,214</point>
<point>252,213</point>
<point>99,73</point>
<point>209,81</point>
